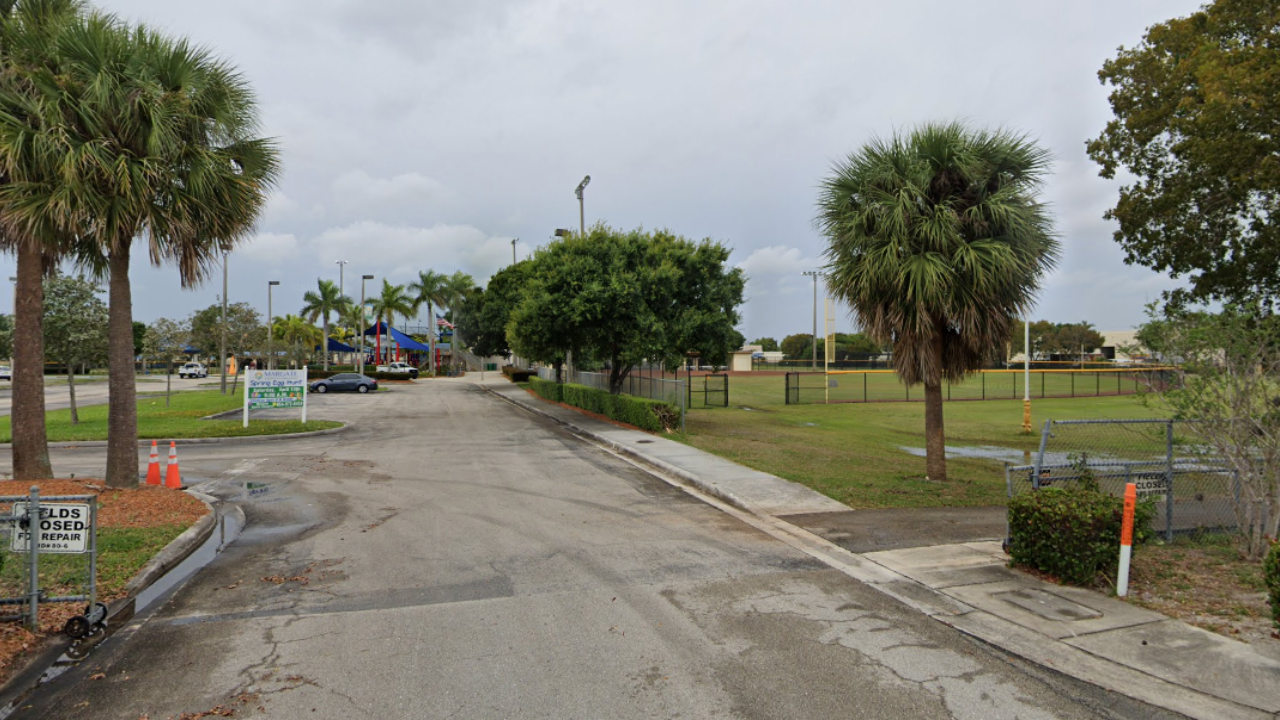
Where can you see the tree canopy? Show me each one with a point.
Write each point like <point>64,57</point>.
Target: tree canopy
<point>1057,338</point>
<point>622,297</point>
<point>245,330</point>
<point>1196,105</point>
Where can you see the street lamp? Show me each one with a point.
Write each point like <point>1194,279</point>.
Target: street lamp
<point>513,250</point>
<point>362,279</point>
<point>222,343</point>
<point>582,217</point>
<point>271,356</point>
<point>814,274</point>
<point>14,279</point>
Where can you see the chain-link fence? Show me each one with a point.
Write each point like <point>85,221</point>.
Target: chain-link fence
<point>708,391</point>
<point>675,392</point>
<point>1192,489</point>
<point>859,386</point>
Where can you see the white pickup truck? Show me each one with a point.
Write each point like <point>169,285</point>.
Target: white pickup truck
<point>399,368</point>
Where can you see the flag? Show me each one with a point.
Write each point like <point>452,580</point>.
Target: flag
<point>441,322</point>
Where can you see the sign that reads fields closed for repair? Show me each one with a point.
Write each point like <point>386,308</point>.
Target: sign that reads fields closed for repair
<point>274,389</point>
<point>63,528</point>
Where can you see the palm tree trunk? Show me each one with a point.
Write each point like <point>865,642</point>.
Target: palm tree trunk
<point>431,338</point>
<point>122,403</point>
<point>325,346</point>
<point>935,442</point>
<point>30,446</point>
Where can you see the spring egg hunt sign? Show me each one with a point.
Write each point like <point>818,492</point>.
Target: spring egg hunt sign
<point>63,528</point>
<point>274,389</point>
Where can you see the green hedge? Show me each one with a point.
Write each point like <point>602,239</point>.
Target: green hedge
<point>1271,575</point>
<point>515,374</point>
<point>546,389</point>
<point>1072,533</point>
<point>646,414</point>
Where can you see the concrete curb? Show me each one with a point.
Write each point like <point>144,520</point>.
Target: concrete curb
<point>72,444</point>
<point>119,611</point>
<point>1004,635</point>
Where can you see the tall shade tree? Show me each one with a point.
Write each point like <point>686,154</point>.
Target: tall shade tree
<point>27,30</point>
<point>75,328</point>
<point>937,241</point>
<point>1194,139</point>
<point>393,301</point>
<point>319,304</point>
<point>149,138</point>
<point>430,289</point>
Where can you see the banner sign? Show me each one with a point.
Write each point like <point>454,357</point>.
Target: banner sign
<point>273,389</point>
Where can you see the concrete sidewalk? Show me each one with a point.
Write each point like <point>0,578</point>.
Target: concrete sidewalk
<point>1098,639</point>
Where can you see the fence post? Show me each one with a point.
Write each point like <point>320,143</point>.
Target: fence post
<point>684,410</point>
<point>1044,440</point>
<point>33,559</point>
<point>864,387</point>
<point>1168,498</point>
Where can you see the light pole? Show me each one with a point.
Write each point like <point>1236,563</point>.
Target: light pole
<point>814,274</point>
<point>513,250</point>
<point>222,343</point>
<point>1026,374</point>
<point>14,279</point>
<point>271,330</point>
<point>362,279</point>
<point>582,216</point>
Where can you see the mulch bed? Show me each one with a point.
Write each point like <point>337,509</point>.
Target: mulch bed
<point>146,506</point>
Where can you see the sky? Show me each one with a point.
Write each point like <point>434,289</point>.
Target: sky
<point>429,135</point>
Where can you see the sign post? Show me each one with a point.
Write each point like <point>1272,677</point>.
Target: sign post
<point>1126,539</point>
<point>267,389</point>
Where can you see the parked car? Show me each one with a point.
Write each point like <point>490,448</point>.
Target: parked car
<point>6,373</point>
<point>344,381</point>
<point>400,368</point>
<point>192,370</point>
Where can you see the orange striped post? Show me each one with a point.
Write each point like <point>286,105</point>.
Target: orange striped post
<point>153,467</point>
<point>1126,539</point>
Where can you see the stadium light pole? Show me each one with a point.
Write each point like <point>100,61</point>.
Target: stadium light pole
<point>513,250</point>
<point>1026,374</point>
<point>271,331</point>
<point>582,214</point>
<point>361,338</point>
<point>14,279</point>
<point>222,342</point>
<point>814,274</point>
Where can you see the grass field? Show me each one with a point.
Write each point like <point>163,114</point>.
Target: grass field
<point>880,385</point>
<point>180,420</point>
<point>854,452</point>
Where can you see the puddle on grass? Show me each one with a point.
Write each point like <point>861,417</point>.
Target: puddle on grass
<point>227,530</point>
<point>996,453</point>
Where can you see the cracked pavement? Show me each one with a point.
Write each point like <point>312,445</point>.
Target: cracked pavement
<point>454,556</point>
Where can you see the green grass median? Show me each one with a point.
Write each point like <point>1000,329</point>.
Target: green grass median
<point>857,453</point>
<point>181,419</point>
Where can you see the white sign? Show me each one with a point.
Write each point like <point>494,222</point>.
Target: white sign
<point>64,528</point>
<point>266,389</point>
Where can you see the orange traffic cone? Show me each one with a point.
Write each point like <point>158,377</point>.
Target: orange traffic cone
<point>153,467</point>
<point>173,476</point>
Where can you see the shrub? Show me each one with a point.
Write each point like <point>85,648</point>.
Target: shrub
<point>1271,576</point>
<point>646,414</point>
<point>546,389</point>
<point>1072,533</point>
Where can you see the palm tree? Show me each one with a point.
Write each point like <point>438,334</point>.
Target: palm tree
<point>457,288</point>
<point>151,138</point>
<point>938,243</point>
<point>26,32</point>
<point>297,334</point>
<point>326,299</point>
<point>430,289</point>
<point>394,300</point>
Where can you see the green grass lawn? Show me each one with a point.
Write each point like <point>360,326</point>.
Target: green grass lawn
<point>180,420</point>
<point>122,551</point>
<point>853,452</point>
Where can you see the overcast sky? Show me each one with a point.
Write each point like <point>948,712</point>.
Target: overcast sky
<point>426,135</point>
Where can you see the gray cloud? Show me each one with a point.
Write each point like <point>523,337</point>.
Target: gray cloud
<point>427,135</point>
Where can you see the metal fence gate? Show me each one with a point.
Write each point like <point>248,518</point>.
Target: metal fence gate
<point>712,393</point>
<point>1193,490</point>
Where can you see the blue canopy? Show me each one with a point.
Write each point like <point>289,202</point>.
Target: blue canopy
<point>404,341</point>
<point>335,346</point>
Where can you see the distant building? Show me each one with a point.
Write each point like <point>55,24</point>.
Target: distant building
<point>1123,346</point>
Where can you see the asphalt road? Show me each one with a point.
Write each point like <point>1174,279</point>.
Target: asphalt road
<point>94,391</point>
<point>451,556</point>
